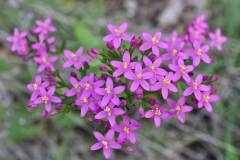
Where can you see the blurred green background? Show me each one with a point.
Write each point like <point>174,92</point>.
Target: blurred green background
<point>24,135</point>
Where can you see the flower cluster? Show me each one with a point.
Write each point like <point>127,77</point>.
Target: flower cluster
<point>131,75</point>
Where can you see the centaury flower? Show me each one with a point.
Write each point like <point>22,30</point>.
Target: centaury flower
<point>206,99</point>
<point>217,39</point>
<point>44,27</point>
<point>18,39</point>
<point>45,61</point>
<point>200,53</point>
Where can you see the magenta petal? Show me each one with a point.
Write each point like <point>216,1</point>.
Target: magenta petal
<point>48,106</point>
<point>199,78</point>
<point>114,145</point>
<point>145,85</point>
<point>163,45</point>
<point>118,89</point>
<point>173,67</point>
<point>126,37</point>
<point>176,76</point>
<point>214,98</point>
<point>189,68</point>
<point>205,48</point>
<point>115,100</point>
<point>172,88</point>
<point>196,61</point>
<point>105,100</point>
<point>122,136</point>
<point>147,36</point>
<point>134,86</point>
<point>117,43</point>
<point>147,61</point>
<point>118,128</point>
<point>181,101</point>
<point>171,103</point>
<point>79,51</point>
<point>145,46</point>
<point>208,107</point>
<point>38,100</point>
<point>157,62</point>
<point>34,95</point>
<point>110,134</point>
<point>77,65</point>
<point>165,115</point>
<point>67,64</point>
<point>181,116</point>
<point>117,64</point>
<point>100,91</point>
<point>84,110</point>
<point>52,29</point>
<point>186,108</point>
<point>98,136</point>
<point>71,92</point>
<point>148,75</point>
<point>30,87</point>
<point>123,26</point>
<point>200,104</point>
<point>188,91</point>
<point>131,137</point>
<point>164,92</point>
<point>118,111</point>
<point>118,72</point>
<point>196,45</point>
<point>158,35</point>
<point>206,58</point>
<point>108,38</point>
<point>56,99</point>
<point>67,53</point>
<point>96,146</point>
<point>101,115</point>
<point>149,114</point>
<point>109,83</point>
<point>126,57</point>
<point>204,87</point>
<point>107,153</point>
<point>156,86</point>
<point>130,75</point>
<point>155,50</point>
<point>111,27</point>
<point>180,46</point>
<point>51,90</point>
<point>157,121</point>
<point>198,95</point>
<point>126,121</point>
<point>167,56</point>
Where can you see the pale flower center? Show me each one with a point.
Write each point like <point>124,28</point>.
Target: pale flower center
<point>45,99</point>
<point>152,67</point>
<point>15,39</point>
<point>165,82</point>
<point>195,34</point>
<point>74,56</point>
<point>178,108</point>
<point>108,109</point>
<point>24,49</point>
<point>85,100</point>
<point>154,40</point>
<point>35,86</point>
<point>157,112</point>
<point>206,98</point>
<point>118,32</point>
<point>108,90</point>
<point>126,129</point>
<point>199,52</point>
<point>139,76</point>
<point>88,86</point>
<point>45,60</point>
<point>105,143</point>
<point>125,65</point>
<point>183,68</point>
<point>195,85</point>
<point>174,52</point>
<point>77,87</point>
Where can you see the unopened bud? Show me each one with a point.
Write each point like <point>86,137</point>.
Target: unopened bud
<point>139,96</point>
<point>139,91</point>
<point>103,68</point>
<point>48,69</point>
<point>123,103</point>
<point>110,45</point>
<point>194,100</point>
<point>131,149</point>
<point>104,77</point>
<point>124,84</point>
<point>120,50</point>
<point>152,56</point>
<point>134,42</point>
<point>214,91</point>
<point>152,101</point>
<point>107,126</point>
<point>85,64</point>
<point>205,78</point>
<point>190,74</point>
<point>96,78</point>
<point>97,121</point>
<point>214,78</point>
<point>54,113</point>
<point>58,107</point>
<point>25,59</point>
<point>44,114</point>
<point>117,79</point>
<point>73,74</point>
<point>89,119</point>
<point>141,112</point>
<point>64,59</point>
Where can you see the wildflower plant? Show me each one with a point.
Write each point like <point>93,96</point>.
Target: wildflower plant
<point>131,75</point>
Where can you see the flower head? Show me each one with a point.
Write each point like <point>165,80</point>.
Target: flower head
<point>44,27</point>
<point>45,61</point>
<point>173,40</point>
<point>18,39</point>
<point>206,100</point>
<point>217,39</point>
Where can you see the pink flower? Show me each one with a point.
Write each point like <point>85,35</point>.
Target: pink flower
<point>200,53</point>
<point>179,108</point>
<point>153,42</point>
<point>196,34</point>
<point>47,97</point>
<point>196,87</point>
<point>44,27</point>
<point>217,39</point>
<point>172,41</point>
<point>154,68</point>
<point>105,142</point>
<point>206,99</point>
<point>75,59</point>
<point>164,84</point>
<point>77,89</point>
<point>85,103</point>
<point>44,45</point>
<point>139,78</point>
<point>157,112</point>
<point>181,70</point>
<point>18,39</point>
<point>174,53</point>
<point>200,21</point>
<point>117,34</point>
<point>45,61</point>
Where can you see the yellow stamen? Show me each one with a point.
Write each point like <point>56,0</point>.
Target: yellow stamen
<point>195,85</point>
<point>45,60</point>
<point>126,129</point>
<point>77,87</point>
<point>183,68</point>
<point>139,76</point>
<point>85,100</point>
<point>44,25</point>
<point>15,39</point>
<point>199,52</point>
<point>108,90</point>
<point>118,32</point>
<point>125,65</point>
<point>35,86</point>
<point>165,82</point>
<point>157,112</point>
<point>108,109</point>
<point>45,99</point>
<point>178,108</point>
<point>206,98</point>
<point>43,44</point>
<point>174,52</point>
<point>154,40</point>
<point>88,86</point>
<point>152,67</point>
<point>105,143</point>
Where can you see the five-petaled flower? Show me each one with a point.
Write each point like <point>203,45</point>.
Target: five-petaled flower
<point>217,39</point>
<point>206,99</point>
<point>45,61</point>
<point>18,39</point>
<point>117,34</point>
<point>105,142</point>
<point>44,27</point>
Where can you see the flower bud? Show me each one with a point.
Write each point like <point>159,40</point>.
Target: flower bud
<point>214,91</point>
<point>136,123</point>
<point>85,64</point>
<point>131,149</point>
<point>110,45</point>
<point>95,78</point>
<point>152,56</point>
<point>44,114</point>
<point>194,100</point>
<point>139,96</point>
<point>190,74</point>
<point>123,103</point>
<point>124,84</point>
<point>48,69</point>
<point>120,50</point>
<point>97,121</point>
<point>103,68</point>
<point>140,40</point>
<point>139,91</point>
<point>152,101</point>
<point>104,77</point>
<point>141,112</point>
<point>25,59</point>
<point>89,119</point>
<point>117,79</point>
<point>54,113</point>
<point>205,78</point>
<point>107,126</point>
<point>214,78</point>
<point>91,54</point>
<point>58,107</point>
<point>95,51</point>
<point>64,59</point>
<point>73,74</point>
<point>134,42</point>
<point>50,78</point>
